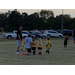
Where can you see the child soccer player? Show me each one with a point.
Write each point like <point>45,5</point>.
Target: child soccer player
<point>48,45</point>
<point>40,44</point>
<point>65,41</point>
<point>23,43</point>
<point>33,47</point>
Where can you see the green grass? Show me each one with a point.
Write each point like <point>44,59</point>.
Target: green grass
<point>58,54</point>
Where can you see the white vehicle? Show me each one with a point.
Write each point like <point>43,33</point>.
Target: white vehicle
<point>44,35</point>
<point>14,34</point>
<point>24,33</point>
<point>10,35</point>
<point>53,33</point>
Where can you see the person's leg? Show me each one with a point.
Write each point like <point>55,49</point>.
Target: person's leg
<point>22,48</point>
<point>18,45</point>
<point>28,52</point>
<point>48,51</point>
<point>18,48</point>
<point>34,50</point>
<point>39,52</point>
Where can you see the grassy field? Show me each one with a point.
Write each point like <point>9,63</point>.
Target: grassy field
<point>58,54</point>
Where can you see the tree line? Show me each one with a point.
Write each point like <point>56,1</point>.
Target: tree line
<point>43,20</point>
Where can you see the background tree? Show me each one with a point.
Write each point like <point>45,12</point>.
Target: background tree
<point>72,23</point>
<point>66,21</point>
<point>45,14</point>
<point>3,20</point>
<point>44,20</point>
<point>14,19</point>
<point>51,23</point>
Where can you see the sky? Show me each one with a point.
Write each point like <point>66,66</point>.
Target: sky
<point>71,12</point>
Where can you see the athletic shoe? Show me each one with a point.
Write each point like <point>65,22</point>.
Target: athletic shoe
<point>18,52</point>
<point>22,53</point>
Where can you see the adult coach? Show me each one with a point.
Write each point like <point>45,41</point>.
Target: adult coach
<point>19,38</point>
<point>73,35</point>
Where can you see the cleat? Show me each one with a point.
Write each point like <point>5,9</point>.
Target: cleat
<point>22,53</point>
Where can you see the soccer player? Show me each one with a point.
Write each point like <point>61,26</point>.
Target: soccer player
<point>23,43</point>
<point>65,41</point>
<point>40,44</point>
<point>34,47</point>
<point>48,45</point>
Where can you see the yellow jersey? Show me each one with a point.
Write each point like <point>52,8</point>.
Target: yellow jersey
<point>40,44</point>
<point>48,44</point>
<point>23,44</point>
<point>33,44</point>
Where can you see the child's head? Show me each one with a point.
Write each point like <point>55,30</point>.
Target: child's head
<point>29,35</point>
<point>39,39</point>
<point>66,35</point>
<point>24,37</point>
<point>48,38</point>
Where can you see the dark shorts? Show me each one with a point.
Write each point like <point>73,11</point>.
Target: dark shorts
<point>39,48</point>
<point>33,48</point>
<point>65,43</point>
<point>29,50</point>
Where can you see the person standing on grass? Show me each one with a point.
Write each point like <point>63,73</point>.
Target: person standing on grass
<point>34,47</point>
<point>23,43</point>
<point>40,44</point>
<point>65,40</point>
<point>19,39</point>
<point>48,45</point>
<point>73,35</point>
<point>28,44</point>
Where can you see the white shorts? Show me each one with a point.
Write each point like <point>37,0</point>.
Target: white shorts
<point>18,43</point>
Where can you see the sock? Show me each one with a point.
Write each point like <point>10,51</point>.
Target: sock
<point>31,51</point>
<point>22,48</point>
<point>48,51</point>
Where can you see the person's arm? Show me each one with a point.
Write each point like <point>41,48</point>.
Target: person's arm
<point>24,42</point>
<point>37,44</point>
<point>46,44</point>
<point>19,37</point>
<point>32,42</point>
<point>42,44</point>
